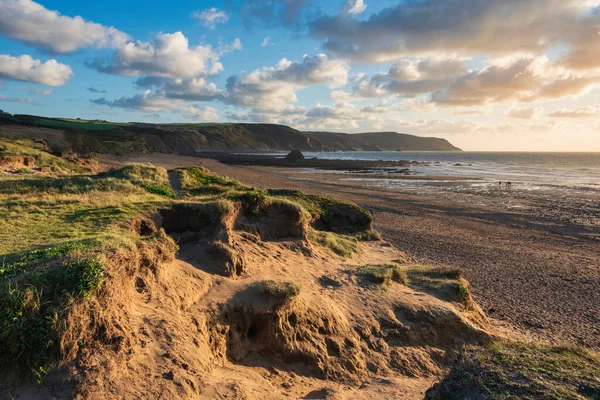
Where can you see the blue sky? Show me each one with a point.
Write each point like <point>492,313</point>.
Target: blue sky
<point>487,75</point>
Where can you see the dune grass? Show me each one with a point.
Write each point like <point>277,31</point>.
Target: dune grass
<point>442,282</point>
<point>382,274</point>
<point>281,292</point>
<point>25,147</point>
<point>512,370</point>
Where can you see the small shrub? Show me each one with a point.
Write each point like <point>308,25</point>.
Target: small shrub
<point>368,236</point>
<point>443,282</point>
<point>282,292</point>
<point>383,274</point>
<point>343,246</point>
<point>24,171</point>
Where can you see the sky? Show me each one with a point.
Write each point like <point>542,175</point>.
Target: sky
<point>493,75</point>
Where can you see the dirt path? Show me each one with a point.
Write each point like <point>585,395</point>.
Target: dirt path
<point>175,182</point>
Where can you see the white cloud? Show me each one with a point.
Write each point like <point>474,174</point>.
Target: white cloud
<point>524,113</point>
<point>32,23</point>
<point>497,27</point>
<point>274,87</point>
<point>523,79</point>
<point>353,7</point>
<point>199,113</point>
<point>16,99</point>
<point>193,89</point>
<point>152,102</point>
<point>169,55</point>
<point>211,17</point>
<point>27,69</point>
<point>266,41</point>
<point>584,112</point>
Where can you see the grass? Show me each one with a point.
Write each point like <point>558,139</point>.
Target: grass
<point>76,124</point>
<point>383,274</point>
<point>522,371</point>
<point>281,292</point>
<point>36,288</point>
<point>328,212</point>
<point>442,282</point>
<point>55,236</point>
<point>24,147</point>
<point>341,245</point>
<point>198,181</point>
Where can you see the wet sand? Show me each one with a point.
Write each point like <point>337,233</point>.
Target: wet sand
<point>533,261</point>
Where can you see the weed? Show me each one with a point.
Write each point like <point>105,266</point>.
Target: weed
<point>281,292</point>
<point>442,282</point>
<point>342,245</point>
<point>383,274</point>
<point>521,371</point>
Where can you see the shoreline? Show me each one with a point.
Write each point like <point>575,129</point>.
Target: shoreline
<point>533,265</point>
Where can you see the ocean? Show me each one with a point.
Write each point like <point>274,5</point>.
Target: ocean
<point>527,171</point>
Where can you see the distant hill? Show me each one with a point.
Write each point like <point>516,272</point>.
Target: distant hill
<point>98,136</point>
<point>380,141</point>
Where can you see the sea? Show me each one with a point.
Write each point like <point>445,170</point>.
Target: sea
<point>524,170</point>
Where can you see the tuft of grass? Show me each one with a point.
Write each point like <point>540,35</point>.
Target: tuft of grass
<point>198,181</point>
<point>280,291</point>
<point>24,170</point>
<point>161,190</point>
<point>443,282</point>
<point>329,214</point>
<point>251,199</point>
<point>506,370</point>
<point>36,288</point>
<point>383,274</point>
<point>342,245</point>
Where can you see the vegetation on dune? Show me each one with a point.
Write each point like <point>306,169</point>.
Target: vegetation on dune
<point>281,292</point>
<point>342,245</point>
<point>24,147</point>
<point>383,274</point>
<point>58,232</point>
<point>521,371</point>
<point>443,282</point>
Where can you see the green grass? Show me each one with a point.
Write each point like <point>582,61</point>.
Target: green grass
<point>522,371</point>
<point>77,124</point>
<point>55,236</point>
<point>282,292</point>
<point>161,190</point>
<point>382,274</point>
<point>442,282</point>
<point>198,181</point>
<point>24,147</point>
<point>328,212</point>
<point>344,246</point>
<point>36,287</point>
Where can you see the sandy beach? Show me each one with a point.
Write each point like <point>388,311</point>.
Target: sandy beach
<point>533,259</point>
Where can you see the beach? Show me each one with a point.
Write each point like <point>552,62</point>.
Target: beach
<point>532,257</point>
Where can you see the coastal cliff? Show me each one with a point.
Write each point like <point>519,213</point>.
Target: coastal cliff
<point>83,137</point>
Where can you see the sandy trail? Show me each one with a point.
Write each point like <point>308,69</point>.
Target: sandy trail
<point>525,269</point>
